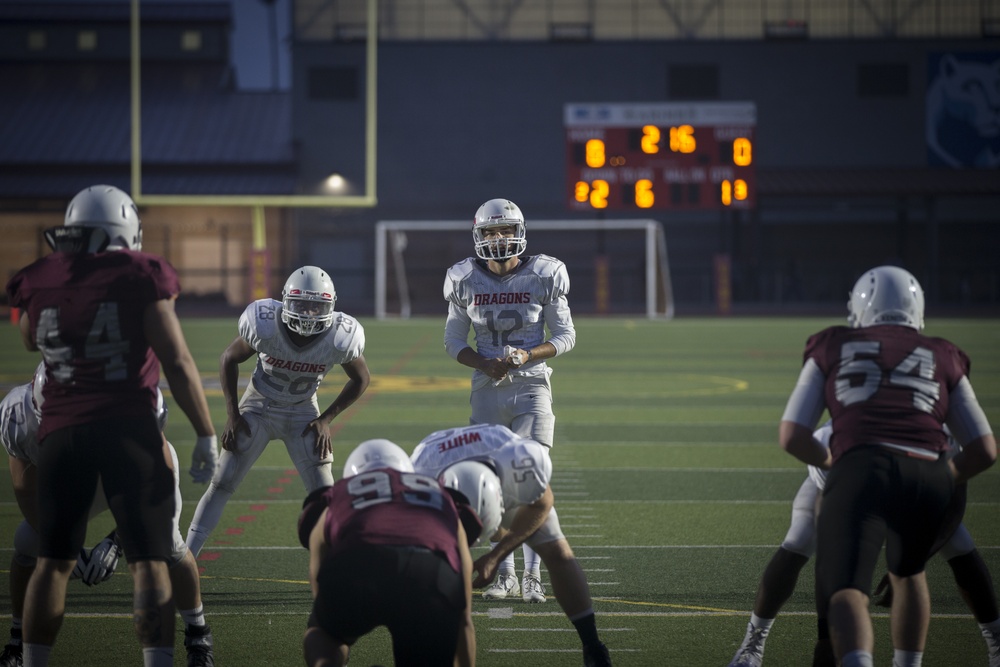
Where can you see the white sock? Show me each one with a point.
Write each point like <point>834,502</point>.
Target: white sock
<point>857,658</point>
<point>507,565</point>
<point>987,628</point>
<point>195,617</point>
<point>36,655</point>
<point>907,658</point>
<point>158,656</point>
<point>206,517</point>
<point>761,623</point>
<point>532,561</point>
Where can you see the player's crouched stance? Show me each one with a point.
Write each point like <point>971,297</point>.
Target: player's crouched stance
<point>390,547</point>
<point>297,341</point>
<point>523,470</point>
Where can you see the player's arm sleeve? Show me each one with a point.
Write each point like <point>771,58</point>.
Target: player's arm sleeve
<point>456,330</point>
<point>966,418</point>
<point>969,427</point>
<point>556,313</point>
<point>806,404</point>
<point>803,410</point>
<point>559,320</point>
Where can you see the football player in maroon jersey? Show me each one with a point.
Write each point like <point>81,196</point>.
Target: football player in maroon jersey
<point>102,314</point>
<point>388,547</point>
<point>889,390</point>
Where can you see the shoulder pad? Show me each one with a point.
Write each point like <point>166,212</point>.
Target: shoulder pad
<point>461,269</point>
<point>456,274</point>
<point>553,273</point>
<point>349,335</point>
<point>260,320</point>
<point>545,266</point>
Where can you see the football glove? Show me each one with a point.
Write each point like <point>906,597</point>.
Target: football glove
<point>204,459</point>
<point>101,563</point>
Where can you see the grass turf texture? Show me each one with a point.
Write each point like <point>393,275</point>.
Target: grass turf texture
<point>668,480</point>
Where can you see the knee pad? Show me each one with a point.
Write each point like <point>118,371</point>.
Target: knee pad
<point>25,545</point>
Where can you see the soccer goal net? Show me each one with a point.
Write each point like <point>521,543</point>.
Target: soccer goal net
<point>616,267</point>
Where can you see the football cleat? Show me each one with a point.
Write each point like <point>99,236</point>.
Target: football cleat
<point>992,645</point>
<point>11,656</point>
<point>596,656</point>
<point>505,586</point>
<point>198,642</point>
<point>532,589</point>
<point>751,651</point>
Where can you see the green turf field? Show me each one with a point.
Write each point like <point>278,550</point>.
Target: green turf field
<point>668,479</point>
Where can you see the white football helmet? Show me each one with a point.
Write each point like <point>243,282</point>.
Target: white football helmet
<point>378,453</point>
<point>108,208</point>
<point>307,301</point>
<point>481,487</point>
<point>499,213</point>
<point>886,295</point>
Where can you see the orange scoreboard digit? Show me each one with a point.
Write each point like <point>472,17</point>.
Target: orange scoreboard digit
<point>677,155</point>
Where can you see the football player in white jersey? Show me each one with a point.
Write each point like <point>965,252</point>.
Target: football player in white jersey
<point>508,299</point>
<point>782,573</point>
<point>19,421</point>
<point>297,341</point>
<point>524,470</point>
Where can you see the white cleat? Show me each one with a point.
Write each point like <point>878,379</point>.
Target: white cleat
<point>751,651</point>
<point>505,586</point>
<point>532,589</point>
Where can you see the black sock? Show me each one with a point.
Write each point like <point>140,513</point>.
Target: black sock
<point>822,629</point>
<point>586,627</point>
<point>15,636</point>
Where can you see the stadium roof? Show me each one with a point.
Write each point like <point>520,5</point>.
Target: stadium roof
<point>67,115</point>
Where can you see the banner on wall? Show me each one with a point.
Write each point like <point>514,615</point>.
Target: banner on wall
<point>963,110</point>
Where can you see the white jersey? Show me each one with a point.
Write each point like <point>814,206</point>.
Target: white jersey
<point>19,424</point>
<point>523,465</point>
<point>511,310</point>
<point>285,372</point>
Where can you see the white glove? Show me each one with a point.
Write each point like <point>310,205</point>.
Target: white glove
<point>204,459</point>
<point>102,562</point>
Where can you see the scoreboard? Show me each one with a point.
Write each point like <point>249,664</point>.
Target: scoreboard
<point>675,156</point>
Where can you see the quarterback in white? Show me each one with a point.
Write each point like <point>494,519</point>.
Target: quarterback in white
<point>297,341</point>
<point>508,299</point>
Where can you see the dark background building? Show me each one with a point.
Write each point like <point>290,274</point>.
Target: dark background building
<point>877,138</point>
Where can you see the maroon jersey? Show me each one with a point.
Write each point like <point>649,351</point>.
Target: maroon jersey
<point>86,313</point>
<point>392,508</point>
<point>886,384</point>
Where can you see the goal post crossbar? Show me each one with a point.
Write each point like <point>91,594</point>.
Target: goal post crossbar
<point>657,270</point>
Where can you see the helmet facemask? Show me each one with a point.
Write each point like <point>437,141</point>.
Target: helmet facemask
<point>307,301</point>
<point>307,315</point>
<point>497,247</point>
<point>490,218</point>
